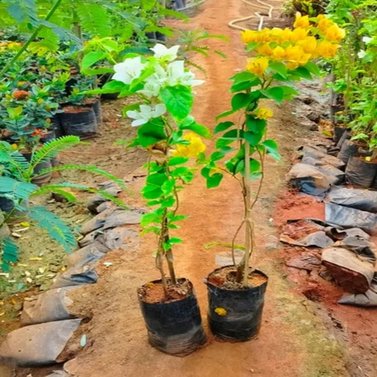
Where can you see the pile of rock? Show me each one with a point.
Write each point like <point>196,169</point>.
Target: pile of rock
<point>47,322</point>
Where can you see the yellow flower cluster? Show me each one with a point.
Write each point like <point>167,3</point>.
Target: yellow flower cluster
<point>309,39</point>
<point>8,45</point>
<point>263,113</point>
<point>193,149</point>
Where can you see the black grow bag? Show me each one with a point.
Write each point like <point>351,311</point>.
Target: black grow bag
<point>81,122</point>
<point>360,172</point>
<point>235,314</point>
<point>173,327</point>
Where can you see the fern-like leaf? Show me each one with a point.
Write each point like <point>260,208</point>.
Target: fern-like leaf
<point>57,229</point>
<point>9,253</point>
<point>16,190</point>
<point>90,169</point>
<point>94,18</point>
<point>52,149</point>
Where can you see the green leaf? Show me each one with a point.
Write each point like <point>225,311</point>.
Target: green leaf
<point>173,161</point>
<point>214,180</point>
<point>253,138</point>
<point>225,114</point>
<point>256,125</point>
<point>190,124</point>
<point>279,68</point>
<point>276,93</point>
<point>313,68</point>
<point>90,59</point>
<point>272,148</point>
<point>303,72</point>
<point>178,100</point>
<point>9,254</point>
<point>244,80</point>
<point>223,126</point>
<point>150,133</point>
<point>239,101</point>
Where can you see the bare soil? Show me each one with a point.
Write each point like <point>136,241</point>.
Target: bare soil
<point>304,332</point>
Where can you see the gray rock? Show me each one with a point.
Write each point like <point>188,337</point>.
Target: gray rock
<point>38,345</point>
<point>348,270</point>
<point>49,306</point>
<point>122,217</point>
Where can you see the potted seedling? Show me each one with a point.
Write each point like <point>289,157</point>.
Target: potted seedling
<point>281,56</point>
<point>163,89</point>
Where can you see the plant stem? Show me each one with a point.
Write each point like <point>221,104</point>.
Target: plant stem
<point>30,40</point>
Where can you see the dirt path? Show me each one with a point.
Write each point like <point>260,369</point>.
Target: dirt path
<point>293,340</point>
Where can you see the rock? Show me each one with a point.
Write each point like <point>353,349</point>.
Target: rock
<point>86,255</point>
<point>314,116</point>
<point>310,179</point>
<point>104,206</point>
<point>122,217</point>
<point>76,276</point>
<point>349,271</point>
<point>306,261</point>
<point>110,187</point>
<point>96,222</point>
<point>49,306</point>
<point>38,345</point>
<point>117,237</point>
<point>368,299</point>
<point>90,238</point>
<point>350,218</point>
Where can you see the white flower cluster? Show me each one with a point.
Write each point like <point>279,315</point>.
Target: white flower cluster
<point>167,72</point>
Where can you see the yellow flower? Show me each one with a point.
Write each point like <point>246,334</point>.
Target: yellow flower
<point>298,34</point>
<point>264,113</point>
<point>222,312</point>
<point>334,33</point>
<point>301,21</point>
<point>324,23</point>
<point>278,53</point>
<point>193,149</point>
<point>257,65</point>
<point>249,36</point>
<point>309,44</point>
<point>326,49</point>
<point>296,54</point>
<point>264,49</point>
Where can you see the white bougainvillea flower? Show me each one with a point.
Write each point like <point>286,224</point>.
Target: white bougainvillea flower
<point>178,75</point>
<point>367,40</point>
<point>162,52</point>
<point>129,70</point>
<point>361,54</point>
<point>154,82</point>
<point>145,114</point>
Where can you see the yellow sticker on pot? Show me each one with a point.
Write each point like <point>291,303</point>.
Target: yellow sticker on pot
<point>221,311</point>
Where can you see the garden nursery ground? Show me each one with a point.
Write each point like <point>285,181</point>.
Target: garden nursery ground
<point>304,332</point>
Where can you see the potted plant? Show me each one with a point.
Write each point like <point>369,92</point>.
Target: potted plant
<point>281,56</point>
<point>162,87</point>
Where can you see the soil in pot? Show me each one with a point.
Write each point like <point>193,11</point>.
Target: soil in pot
<point>347,150</point>
<point>79,121</point>
<point>361,172</point>
<point>174,323</point>
<point>234,311</point>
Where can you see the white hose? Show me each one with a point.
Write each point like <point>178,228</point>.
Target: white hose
<point>256,4</point>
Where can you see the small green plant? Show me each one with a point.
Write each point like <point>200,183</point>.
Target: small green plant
<point>165,128</point>
<point>282,56</point>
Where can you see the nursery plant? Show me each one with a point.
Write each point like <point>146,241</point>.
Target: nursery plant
<point>279,57</point>
<point>18,191</point>
<point>163,92</point>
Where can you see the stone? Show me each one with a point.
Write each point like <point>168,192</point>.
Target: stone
<point>350,272</point>
<point>38,345</point>
<point>122,217</point>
